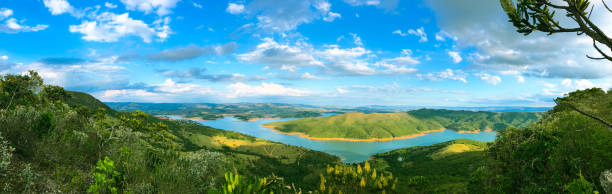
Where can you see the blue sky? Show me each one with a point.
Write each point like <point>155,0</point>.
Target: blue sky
<point>320,52</point>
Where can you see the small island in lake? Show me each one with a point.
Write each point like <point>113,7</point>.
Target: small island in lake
<point>389,126</point>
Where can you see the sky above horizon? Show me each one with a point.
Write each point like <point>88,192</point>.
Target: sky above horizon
<point>319,52</point>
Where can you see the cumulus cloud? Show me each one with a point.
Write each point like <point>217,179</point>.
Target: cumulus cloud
<point>234,8</point>
<point>500,48</point>
<point>449,74</point>
<point>265,89</point>
<point>160,7</point>
<point>110,27</point>
<point>282,16</point>
<point>331,59</point>
<point>198,73</point>
<point>58,7</point>
<point>12,25</point>
<point>276,55</point>
<point>455,56</point>
<point>491,79</point>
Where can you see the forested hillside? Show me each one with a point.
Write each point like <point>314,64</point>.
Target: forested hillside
<point>52,140</point>
<point>397,125</point>
<point>211,111</point>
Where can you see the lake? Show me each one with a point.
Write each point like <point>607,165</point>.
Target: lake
<point>351,152</point>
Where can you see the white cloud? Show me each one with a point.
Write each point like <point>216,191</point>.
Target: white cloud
<point>110,27</point>
<point>12,25</point>
<point>3,58</point>
<point>234,8</point>
<point>420,32</point>
<point>520,79</point>
<point>5,13</point>
<point>331,16</point>
<point>450,74</point>
<point>491,79</point>
<point>399,32</point>
<point>362,2</point>
<point>160,7</point>
<point>388,5</point>
<point>57,7</point>
<point>442,36</point>
<point>309,76</point>
<point>265,89</point>
<point>356,39</point>
<point>286,15</point>
<point>331,59</point>
<point>455,55</point>
<point>569,85</point>
<point>276,55</point>
<point>110,5</point>
<point>290,68</point>
<point>169,86</point>
<point>197,5</point>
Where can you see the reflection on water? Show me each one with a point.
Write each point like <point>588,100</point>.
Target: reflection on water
<point>350,151</point>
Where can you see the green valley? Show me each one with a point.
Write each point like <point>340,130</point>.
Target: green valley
<point>388,126</point>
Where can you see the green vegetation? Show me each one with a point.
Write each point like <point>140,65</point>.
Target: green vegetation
<point>566,150</point>
<point>210,111</point>
<point>389,125</point>
<point>440,168</point>
<point>48,145</point>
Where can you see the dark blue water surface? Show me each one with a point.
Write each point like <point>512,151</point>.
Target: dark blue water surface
<point>350,151</point>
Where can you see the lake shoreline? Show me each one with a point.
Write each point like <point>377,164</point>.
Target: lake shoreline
<point>303,135</point>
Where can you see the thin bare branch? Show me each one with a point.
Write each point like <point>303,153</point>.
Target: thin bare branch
<point>606,5</point>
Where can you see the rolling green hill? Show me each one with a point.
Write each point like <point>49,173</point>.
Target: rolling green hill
<point>442,168</point>
<point>394,125</point>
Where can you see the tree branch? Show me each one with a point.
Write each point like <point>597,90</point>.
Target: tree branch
<point>589,115</point>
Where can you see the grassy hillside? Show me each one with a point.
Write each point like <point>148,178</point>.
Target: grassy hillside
<point>390,125</point>
<point>443,167</point>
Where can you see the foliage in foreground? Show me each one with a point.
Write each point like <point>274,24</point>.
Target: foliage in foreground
<point>565,152</point>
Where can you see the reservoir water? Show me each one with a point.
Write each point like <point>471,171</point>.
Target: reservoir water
<point>351,152</point>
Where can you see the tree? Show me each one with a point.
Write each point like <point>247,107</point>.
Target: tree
<point>54,93</point>
<point>539,15</point>
<point>19,89</point>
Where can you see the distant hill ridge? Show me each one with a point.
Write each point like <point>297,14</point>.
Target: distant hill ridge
<point>402,125</point>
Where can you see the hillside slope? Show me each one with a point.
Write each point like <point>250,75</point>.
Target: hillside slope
<point>402,125</point>
<point>441,168</point>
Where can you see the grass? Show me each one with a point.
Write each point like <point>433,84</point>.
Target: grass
<point>390,125</point>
